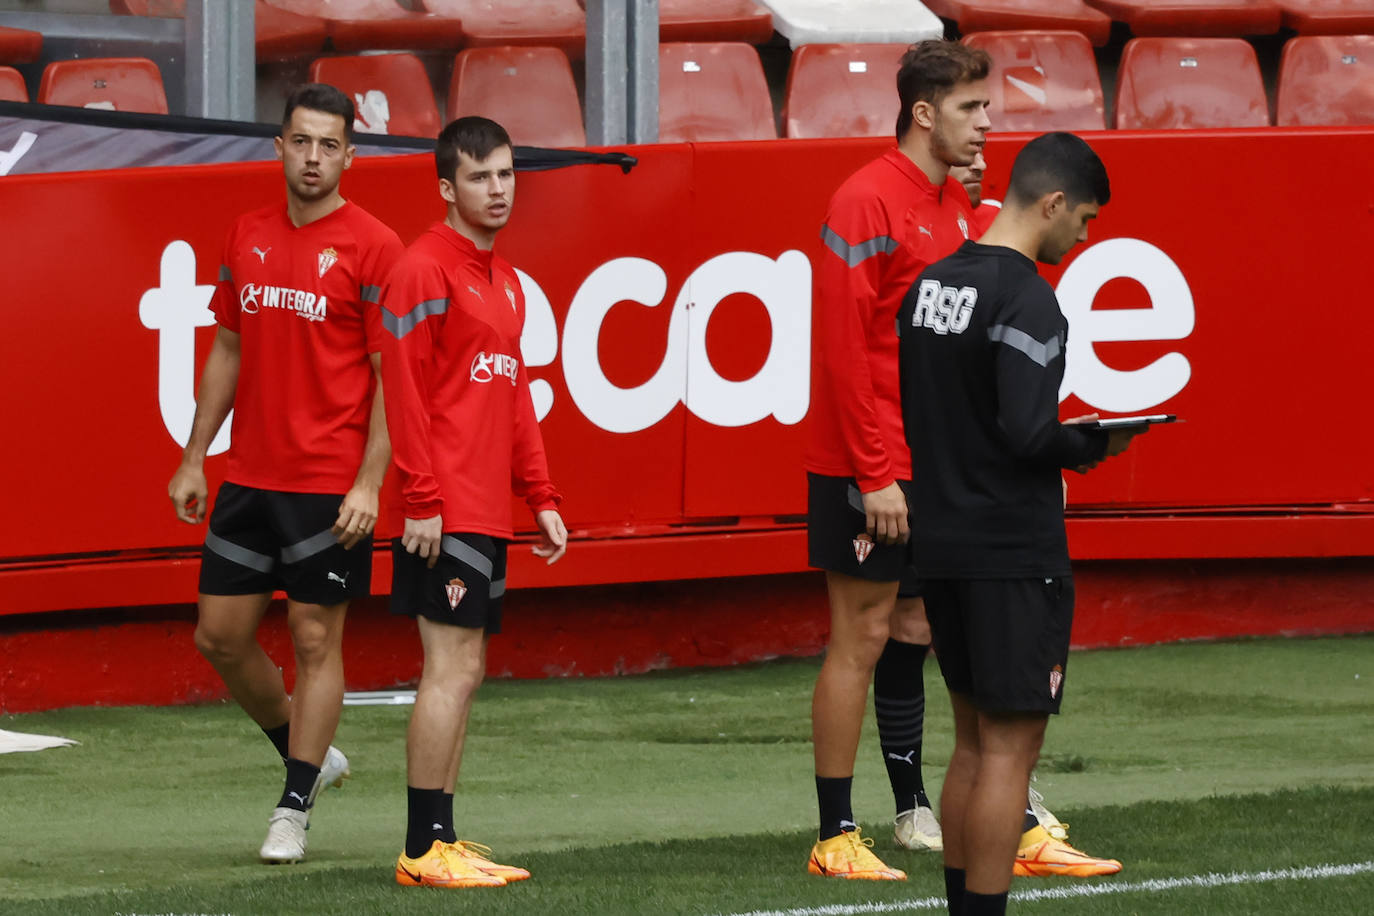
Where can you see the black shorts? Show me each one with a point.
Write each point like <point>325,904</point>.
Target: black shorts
<point>1003,642</point>
<point>466,588</point>
<point>837,539</point>
<point>262,541</point>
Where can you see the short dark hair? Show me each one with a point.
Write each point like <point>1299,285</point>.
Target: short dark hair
<point>476,136</point>
<point>931,69</point>
<point>320,97</point>
<point>1058,162</point>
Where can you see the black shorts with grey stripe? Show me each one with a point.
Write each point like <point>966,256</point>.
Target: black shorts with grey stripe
<point>262,541</point>
<point>837,539</point>
<point>466,587</point>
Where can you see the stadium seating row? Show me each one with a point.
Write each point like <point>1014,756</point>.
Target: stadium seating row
<point>295,28</point>
<point>1043,80</point>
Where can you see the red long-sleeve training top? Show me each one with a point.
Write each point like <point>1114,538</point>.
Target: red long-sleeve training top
<point>462,424</point>
<point>885,224</point>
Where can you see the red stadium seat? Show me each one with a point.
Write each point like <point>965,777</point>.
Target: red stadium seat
<point>558,23</point>
<point>119,83</point>
<point>530,91</point>
<point>1042,81</point>
<point>364,25</point>
<point>1327,79</point>
<point>1328,17</point>
<point>712,20</point>
<point>391,92</point>
<point>278,33</point>
<point>1215,18</point>
<point>1001,15</point>
<point>842,90</point>
<point>19,46</point>
<point>12,88</point>
<point>1189,82</point>
<point>713,91</point>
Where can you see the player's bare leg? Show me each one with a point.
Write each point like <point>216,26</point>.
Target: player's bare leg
<point>1009,748</point>
<point>455,663</point>
<point>226,635</point>
<point>860,617</point>
<point>317,702</point>
<point>959,780</point>
<point>909,623</point>
<point>456,762</point>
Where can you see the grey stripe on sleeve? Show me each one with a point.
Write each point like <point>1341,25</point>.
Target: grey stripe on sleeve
<point>466,553</point>
<point>498,588</point>
<point>370,293</point>
<point>309,547</point>
<point>240,555</point>
<point>854,255</point>
<point>225,275</point>
<point>401,325</point>
<point>1039,353</point>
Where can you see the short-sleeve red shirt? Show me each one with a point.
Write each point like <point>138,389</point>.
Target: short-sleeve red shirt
<point>304,302</point>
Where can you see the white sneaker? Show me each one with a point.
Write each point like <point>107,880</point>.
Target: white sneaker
<point>1053,825</point>
<point>285,841</point>
<point>333,772</point>
<point>918,829</point>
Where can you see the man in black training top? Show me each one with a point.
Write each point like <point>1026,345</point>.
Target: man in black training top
<point>982,357</point>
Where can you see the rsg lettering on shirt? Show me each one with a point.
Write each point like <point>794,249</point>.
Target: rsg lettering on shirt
<point>253,298</point>
<point>943,309</point>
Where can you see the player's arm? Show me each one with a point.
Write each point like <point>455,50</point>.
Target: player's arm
<point>858,243</point>
<point>215,398</point>
<point>1029,362</point>
<point>530,475</point>
<point>410,311</point>
<point>358,512</point>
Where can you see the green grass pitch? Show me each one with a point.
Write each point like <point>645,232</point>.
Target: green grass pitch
<point>690,792</point>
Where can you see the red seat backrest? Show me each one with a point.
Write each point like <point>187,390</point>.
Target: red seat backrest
<point>842,90</point>
<point>391,92</point>
<point>1327,79</point>
<point>1189,82</point>
<point>12,88</point>
<point>19,46</point>
<point>712,91</point>
<point>1045,80</point>
<point>529,91</point>
<point>121,83</point>
<point>1196,18</point>
<point>1001,15</point>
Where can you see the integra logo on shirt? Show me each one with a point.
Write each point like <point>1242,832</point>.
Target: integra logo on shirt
<point>487,366</point>
<point>309,306</point>
<point>943,309</point>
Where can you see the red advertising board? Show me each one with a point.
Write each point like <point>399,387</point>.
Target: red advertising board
<point>1222,283</point>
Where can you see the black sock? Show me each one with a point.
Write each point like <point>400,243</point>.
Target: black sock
<point>446,819</point>
<point>300,782</point>
<point>837,814</point>
<point>984,904</point>
<point>899,699</point>
<point>279,738</point>
<point>424,820</point>
<point>1030,821</point>
<point>954,890</point>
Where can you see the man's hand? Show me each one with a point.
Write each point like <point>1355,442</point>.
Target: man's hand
<point>189,492</point>
<point>1117,441</point>
<point>885,514</point>
<point>553,536</point>
<point>357,516</point>
<point>422,536</point>
<point>1065,483</point>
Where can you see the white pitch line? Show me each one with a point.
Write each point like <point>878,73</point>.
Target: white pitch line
<point>1070,891</point>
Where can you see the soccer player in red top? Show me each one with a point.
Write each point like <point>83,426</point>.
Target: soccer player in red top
<point>464,432</point>
<point>296,357</point>
<point>884,225</point>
